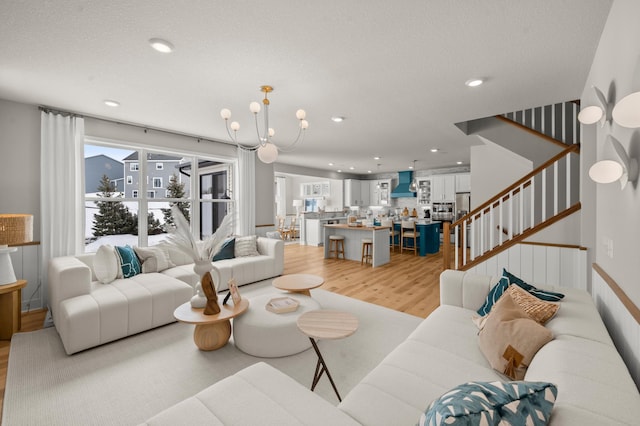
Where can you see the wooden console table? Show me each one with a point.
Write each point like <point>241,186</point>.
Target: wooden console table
<point>10,308</point>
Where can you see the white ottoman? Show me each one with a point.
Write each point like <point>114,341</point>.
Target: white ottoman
<point>262,333</point>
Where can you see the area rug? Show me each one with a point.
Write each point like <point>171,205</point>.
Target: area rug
<point>130,380</point>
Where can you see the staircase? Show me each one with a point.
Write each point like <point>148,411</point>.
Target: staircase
<point>541,198</point>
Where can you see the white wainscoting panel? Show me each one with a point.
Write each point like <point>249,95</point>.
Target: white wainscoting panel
<point>622,326</point>
<point>540,265</point>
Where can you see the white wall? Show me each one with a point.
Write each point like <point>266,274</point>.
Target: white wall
<point>616,71</point>
<point>20,154</point>
<point>493,168</point>
<point>566,231</point>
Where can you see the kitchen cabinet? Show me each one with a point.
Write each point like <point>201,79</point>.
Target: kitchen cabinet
<point>315,189</point>
<point>380,192</point>
<point>443,188</point>
<point>356,193</point>
<point>463,182</point>
<point>424,191</point>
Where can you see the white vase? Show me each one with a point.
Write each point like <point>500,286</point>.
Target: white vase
<point>200,267</point>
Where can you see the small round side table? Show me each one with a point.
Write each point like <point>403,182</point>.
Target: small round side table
<point>298,283</point>
<point>212,331</point>
<point>326,324</point>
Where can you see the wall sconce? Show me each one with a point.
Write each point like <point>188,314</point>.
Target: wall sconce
<point>608,171</point>
<point>627,112</point>
<point>593,114</point>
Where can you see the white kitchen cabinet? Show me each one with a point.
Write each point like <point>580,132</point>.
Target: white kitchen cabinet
<point>443,188</point>
<point>424,191</point>
<point>315,189</point>
<point>351,192</point>
<point>380,192</point>
<point>463,182</point>
<point>365,199</point>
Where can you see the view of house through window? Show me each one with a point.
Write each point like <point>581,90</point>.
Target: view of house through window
<point>129,193</point>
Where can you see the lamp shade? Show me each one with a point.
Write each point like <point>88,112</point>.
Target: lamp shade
<point>16,229</point>
<point>627,112</point>
<point>591,114</point>
<point>606,171</point>
<point>297,203</point>
<point>268,153</point>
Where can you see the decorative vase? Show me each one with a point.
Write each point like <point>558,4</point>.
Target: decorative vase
<point>199,299</point>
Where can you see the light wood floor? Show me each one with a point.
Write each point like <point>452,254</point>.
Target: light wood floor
<point>408,284</point>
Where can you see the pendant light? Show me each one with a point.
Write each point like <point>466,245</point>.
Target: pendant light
<point>413,186</point>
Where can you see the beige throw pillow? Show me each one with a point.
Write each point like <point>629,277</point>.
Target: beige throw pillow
<point>246,246</point>
<point>539,310</point>
<point>154,259</point>
<point>510,338</point>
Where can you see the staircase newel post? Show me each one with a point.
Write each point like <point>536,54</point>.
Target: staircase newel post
<point>446,244</point>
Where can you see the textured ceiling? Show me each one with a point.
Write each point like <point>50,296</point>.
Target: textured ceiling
<point>395,70</point>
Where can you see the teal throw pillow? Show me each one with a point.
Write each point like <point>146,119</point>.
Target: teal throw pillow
<point>490,403</point>
<point>493,296</point>
<point>549,296</point>
<point>129,262</point>
<point>227,250</point>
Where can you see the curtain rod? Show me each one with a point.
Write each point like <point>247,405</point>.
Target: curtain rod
<point>67,113</point>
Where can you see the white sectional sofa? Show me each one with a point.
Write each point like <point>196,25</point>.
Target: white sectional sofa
<point>87,313</point>
<point>594,385</point>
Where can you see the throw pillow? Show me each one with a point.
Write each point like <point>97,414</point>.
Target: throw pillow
<point>227,250</point>
<point>154,259</point>
<point>549,296</point>
<point>246,246</point>
<point>492,403</point>
<point>106,264</point>
<point>494,294</point>
<point>539,310</point>
<point>129,263</point>
<point>510,339</point>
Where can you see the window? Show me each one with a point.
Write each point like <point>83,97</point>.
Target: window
<point>140,212</point>
<point>159,166</point>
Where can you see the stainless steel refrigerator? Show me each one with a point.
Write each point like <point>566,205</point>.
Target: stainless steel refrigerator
<point>463,204</point>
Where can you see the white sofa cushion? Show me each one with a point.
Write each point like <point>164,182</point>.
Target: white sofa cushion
<point>106,264</point>
<point>257,395</point>
<point>154,259</point>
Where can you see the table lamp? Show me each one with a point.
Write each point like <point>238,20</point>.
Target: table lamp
<point>297,204</point>
<point>14,229</point>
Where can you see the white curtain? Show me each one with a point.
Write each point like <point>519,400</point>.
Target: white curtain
<point>61,187</point>
<point>246,192</point>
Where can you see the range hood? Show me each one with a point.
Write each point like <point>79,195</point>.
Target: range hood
<point>402,190</point>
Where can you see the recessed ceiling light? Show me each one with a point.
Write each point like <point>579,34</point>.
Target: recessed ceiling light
<point>377,158</point>
<point>161,45</point>
<point>368,171</point>
<point>339,170</point>
<point>434,150</point>
<point>331,164</point>
<point>458,162</point>
<point>337,119</point>
<point>352,168</point>
<point>111,103</point>
<point>410,167</point>
<point>474,82</point>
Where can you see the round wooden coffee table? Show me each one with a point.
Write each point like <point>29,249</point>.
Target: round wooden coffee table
<point>326,324</point>
<point>298,283</point>
<point>212,331</point>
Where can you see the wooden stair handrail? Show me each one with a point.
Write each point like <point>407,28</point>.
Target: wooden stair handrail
<point>517,184</point>
<point>532,131</point>
<point>498,249</point>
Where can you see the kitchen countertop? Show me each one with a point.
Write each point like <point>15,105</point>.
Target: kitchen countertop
<point>356,228</point>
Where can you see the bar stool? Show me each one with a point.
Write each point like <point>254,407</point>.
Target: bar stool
<point>388,223</point>
<point>408,230</point>
<point>336,245</point>
<point>367,249</point>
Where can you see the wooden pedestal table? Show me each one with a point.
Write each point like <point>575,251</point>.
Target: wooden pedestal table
<point>298,283</point>
<point>212,331</point>
<point>10,308</point>
<point>326,324</point>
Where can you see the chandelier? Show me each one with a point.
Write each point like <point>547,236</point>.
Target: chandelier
<point>267,150</point>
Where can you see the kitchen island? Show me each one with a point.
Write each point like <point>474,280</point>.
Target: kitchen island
<point>429,240</point>
<point>353,236</point>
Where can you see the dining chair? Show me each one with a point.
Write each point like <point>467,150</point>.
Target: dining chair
<point>408,230</point>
